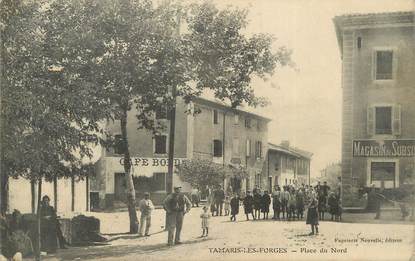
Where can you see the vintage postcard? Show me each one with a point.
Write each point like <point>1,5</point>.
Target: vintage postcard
<point>207,130</point>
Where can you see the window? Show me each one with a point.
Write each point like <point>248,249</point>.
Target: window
<point>247,123</point>
<point>159,181</point>
<point>383,65</point>
<point>384,120</point>
<point>161,113</point>
<point>235,147</point>
<point>217,148</point>
<point>118,144</point>
<point>160,144</point>
<point>258,149</point>
<point>259,126</point>
<point>277,165</point>
<point>258,180</point>
<point>359,42</point>
<point>215,117</point>
<point>383,174</point>
<point>236,119</point>
<point>248,147</point>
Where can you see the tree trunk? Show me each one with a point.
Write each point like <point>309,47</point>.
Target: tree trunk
<point>4,192</point>
<point>128,176</point>
<point>73,193</point>
<point>33,193</point>
<point>55,193</point>
<point>39,199</point>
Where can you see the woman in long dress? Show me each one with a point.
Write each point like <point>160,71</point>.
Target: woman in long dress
<point>312,215</point>
<point>48,226</point>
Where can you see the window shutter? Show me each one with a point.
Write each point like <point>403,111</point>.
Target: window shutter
<point>396,120</point>
<point>248,148</point>
<point>370,120</point>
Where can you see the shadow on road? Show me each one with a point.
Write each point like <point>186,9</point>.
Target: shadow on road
<point>118,251</point>
<point>304,235</point>
<point>128,236</point>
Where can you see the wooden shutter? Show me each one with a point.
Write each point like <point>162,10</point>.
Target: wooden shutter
<point>248,147</point>
<point>396,120</point>
<point>370,120</point>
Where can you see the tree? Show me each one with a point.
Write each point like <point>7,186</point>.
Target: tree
<point>45,105</point>
<point>141,57</point>
<point>226,60</point>
<point>112,58</point>
<point>202,173</point>
<point>134,68</point>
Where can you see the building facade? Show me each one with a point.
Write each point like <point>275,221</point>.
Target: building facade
<point>217,132</point>
<point>332,175</point>
<point>378,84</point>
<point>286,166</point>
<point>66,195</point>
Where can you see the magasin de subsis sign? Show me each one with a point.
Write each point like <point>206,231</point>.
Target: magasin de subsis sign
<point>384,148</point>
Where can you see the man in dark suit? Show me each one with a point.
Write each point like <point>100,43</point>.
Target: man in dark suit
<point>176,205</point>
<point>219,197</point>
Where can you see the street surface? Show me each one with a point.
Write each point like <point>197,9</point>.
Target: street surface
<point>253,240</point>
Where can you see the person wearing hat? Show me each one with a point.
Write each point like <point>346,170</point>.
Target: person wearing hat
<point>176,205</point>
<point>219,197</point>
<point>146,206</point>
<point>248,202</point>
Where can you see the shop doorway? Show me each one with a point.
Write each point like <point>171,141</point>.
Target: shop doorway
<point>120,187</point>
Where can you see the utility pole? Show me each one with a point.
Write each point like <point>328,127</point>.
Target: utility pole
<point>223,145</point>
<point>169,178</point>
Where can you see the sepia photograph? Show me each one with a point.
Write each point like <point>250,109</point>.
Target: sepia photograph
<point>207,130</point>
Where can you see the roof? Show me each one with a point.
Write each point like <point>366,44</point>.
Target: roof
<point>224,105</point>
<point>295,152</point>
<point>371,20</point>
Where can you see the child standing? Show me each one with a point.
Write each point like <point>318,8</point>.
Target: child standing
<point>248,205</point>
<point>265,202</point>
<point>205,222</point>
<point>257,204</point>
<point>291,205</point>
<point>332,204</point>
<point>227,205</point>
<point>312,215</point>
<point>234,207</point>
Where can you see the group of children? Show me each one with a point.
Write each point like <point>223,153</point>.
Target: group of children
<point>288,203</point>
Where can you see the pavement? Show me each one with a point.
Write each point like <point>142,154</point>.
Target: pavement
<point>358,237</point>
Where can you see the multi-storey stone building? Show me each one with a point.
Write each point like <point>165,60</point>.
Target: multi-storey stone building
<point>378,69</point>
<point>218,133</point>
<point>286,165</point>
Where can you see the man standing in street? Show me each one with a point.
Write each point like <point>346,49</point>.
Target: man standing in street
<point>146,206</point>
<point>176,205</point>
<point>195,195</point>
<point>219,199</point>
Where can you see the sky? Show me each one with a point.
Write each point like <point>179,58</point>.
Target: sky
<point>306,100</point>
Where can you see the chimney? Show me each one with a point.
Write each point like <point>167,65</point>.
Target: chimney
<point>285,144</point>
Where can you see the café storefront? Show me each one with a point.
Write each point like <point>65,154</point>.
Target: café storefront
<point>149,175</point>
<point>384,163</point>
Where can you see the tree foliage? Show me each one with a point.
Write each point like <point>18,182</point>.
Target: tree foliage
<point>68,65</point>
<point>201,173</point>
<point>46,107</point>
<point>226,59</point>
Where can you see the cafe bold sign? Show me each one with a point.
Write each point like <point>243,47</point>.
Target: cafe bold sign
<point>152,162</point>
<point>384,148</point>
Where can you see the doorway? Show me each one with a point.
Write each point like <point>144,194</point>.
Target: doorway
<point>120,186</point>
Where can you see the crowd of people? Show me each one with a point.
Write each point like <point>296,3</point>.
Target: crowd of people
<point>288,202</point>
